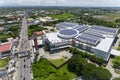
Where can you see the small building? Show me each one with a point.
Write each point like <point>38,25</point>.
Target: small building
<point>38,37</point>
<point>38,33</point>
<point>5,49</point>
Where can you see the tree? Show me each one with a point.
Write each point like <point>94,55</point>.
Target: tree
<point>116,62</point>
<point>76,64</point>
<point>88,70</point>
<point>13,28</point>
<point>101,74</point>
<point>92,58</point>
<point>117,20</point>
<point>3,38</point>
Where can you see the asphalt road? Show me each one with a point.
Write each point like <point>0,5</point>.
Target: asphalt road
<point>23,65</point>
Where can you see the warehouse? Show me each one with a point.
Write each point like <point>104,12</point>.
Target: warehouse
<point>94,39</point>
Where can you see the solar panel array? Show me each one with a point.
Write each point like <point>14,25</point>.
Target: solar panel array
<point>105,29</point>
<point>64,25</point>
<point>68,32</point>
<point>81,28</point>
<point>90,33</point>
<point>89,37</point>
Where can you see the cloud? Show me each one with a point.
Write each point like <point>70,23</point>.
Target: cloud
<point>64,2</point>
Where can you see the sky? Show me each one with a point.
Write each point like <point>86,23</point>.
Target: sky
<point>87,3</point>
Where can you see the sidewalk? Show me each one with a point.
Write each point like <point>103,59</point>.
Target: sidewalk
<point>111,69</point>
<point>31,51</point>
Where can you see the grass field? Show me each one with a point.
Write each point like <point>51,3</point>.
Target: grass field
<point>62,16</point>
<point>3,62</point>
<point>57,62</point>
<point>108,16</point>
<point>43,70</point>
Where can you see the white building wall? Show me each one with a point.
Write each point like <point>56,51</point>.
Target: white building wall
<point>102,54</point>
<point>59,44</point>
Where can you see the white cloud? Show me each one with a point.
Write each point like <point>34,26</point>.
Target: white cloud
<point>64,2</point>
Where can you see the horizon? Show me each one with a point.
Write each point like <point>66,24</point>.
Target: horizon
<point>64,6</point>
<point>71,3</point>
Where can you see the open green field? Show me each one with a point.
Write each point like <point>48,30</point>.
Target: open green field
<point>108,16</point>
<point>43,70</point>
<point>57,62</point>
<point>62,16</point>
<point>3,62</point>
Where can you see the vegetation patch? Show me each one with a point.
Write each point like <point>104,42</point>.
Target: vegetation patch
<point>57,62</point>
<point>81,67</point>
<point>3,62</point>
<point>118,48</point>
<point>116,79</point>
<point>116,62</point>
<point>76,66</point>
<point>43,70</point>
<point>62,16</point>
<point>34,28</point>
<point>92,58</point>
<point>117,71</point>
<point>108,16</point>
<point>11,31</point>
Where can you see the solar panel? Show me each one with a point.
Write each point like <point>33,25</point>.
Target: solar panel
<point>68,32</point>
<point>66,25</point>
<point>81,28</point>
<point>88,39</point>
<point>105,29</point>
<point>90,33</point>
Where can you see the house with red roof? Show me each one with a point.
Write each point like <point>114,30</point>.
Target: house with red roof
<point>38,33</point>
<point>5,49</point>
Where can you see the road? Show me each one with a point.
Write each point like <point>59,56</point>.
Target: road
<point>23,64</point>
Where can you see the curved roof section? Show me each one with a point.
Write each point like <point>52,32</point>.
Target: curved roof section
<point>67,33</point>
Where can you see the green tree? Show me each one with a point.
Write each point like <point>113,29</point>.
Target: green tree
<point>88,71</point>
<point>3,38</point>
<point>116,62</point>
<point>101,74</point>
<point>76,64</point>
<point>117,20</point>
